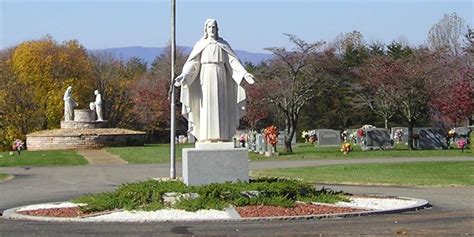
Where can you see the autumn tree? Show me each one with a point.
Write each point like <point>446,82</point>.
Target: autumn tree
<point>446,35</point>
<point>376,86</point>
<point>295,77</point>
<point>113,78</point>
<point>354,39</point>
<point>414,84</point>
<point>46,69</point>
<point>151,105</point>
<point>256,109</point>
<point>18,112</point>
<point>453,102</point>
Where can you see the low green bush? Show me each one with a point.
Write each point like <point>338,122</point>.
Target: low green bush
<point>98,202</point>
<point>148,195</point>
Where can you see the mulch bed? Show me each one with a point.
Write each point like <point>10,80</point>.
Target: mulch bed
<point>55,212</point>
<point>245,212</point>
<point>298,210</point>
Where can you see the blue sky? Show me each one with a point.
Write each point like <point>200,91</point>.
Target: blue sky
<point>246,25</point>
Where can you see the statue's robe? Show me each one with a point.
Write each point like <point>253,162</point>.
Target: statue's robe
<point>212,99</point>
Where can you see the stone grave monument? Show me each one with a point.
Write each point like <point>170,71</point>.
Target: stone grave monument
<point>281,139</point>
<point>259,140</point>
<point>462,133</point>
<point>82,129</point>
<point>376,139</point>
<point>213,101</point>
<point>328,137</point>
<point>429,138</point>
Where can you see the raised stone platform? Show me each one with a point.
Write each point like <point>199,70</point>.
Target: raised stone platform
<point>83,125</point>
<point>207,165</point>
<point>63,139</point>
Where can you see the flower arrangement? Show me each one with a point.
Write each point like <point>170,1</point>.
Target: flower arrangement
<point>367,126</point>
<point>18,145</point>
<point>271,135</point>
<point>398,135</point>
<point>309,137</point>
<point>304,134</point>
<point>451,133</point>
<point>461,144</point>
<point>346,148</point>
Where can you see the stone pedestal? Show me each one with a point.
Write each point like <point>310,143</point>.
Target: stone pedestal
<point>215,163</point>
<point>84,115</point>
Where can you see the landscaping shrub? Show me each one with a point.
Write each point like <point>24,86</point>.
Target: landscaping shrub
<point>148,195</point>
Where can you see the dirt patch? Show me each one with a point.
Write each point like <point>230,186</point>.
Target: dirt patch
<point>298,210</point>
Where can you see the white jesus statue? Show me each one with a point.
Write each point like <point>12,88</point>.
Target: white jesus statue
<point>212,97</point>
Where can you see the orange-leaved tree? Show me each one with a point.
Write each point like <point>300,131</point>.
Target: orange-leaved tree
<point>46,68</point>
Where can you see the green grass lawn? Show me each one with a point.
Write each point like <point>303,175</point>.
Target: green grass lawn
<point>449,173</point>
<point>307,151</point>
<point>159,153</point>
<point>41,158</point>
<point>148,154</point>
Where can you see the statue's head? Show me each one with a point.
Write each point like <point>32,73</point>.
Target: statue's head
<point>211,29</point>
<point>69,89</point>
<point>96,92</point>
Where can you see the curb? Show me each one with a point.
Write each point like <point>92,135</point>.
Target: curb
<point>9,177</point>
<point>235,217</point>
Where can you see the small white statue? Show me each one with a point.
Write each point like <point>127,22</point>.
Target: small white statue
<point>98,105</point>
<point>211,92</point>
<point>69,105</point>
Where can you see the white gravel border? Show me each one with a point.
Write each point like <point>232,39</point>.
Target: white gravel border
<point>48,206</point>
<point>379,204</point>
<point>373,205</point>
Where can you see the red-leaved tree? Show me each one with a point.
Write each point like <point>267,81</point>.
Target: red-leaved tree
<point>150,104</point>
<point>256,108</point>
<point>454,102</point>
<point>376,86</point>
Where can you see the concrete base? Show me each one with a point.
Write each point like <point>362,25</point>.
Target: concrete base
<point>204,166</point>
<point>214,145</point>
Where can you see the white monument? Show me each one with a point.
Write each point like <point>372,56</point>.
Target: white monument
<point>69,105</point>
<point>213,101</point>
<point>98,105</point>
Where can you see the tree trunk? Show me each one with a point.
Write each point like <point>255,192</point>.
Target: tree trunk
<point>386,123</point>
<point>410,135</point>
<point>288,131</point>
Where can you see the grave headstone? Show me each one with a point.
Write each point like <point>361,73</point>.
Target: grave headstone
<point>376,139</point>
<point>258,142</point>
<point>328,137</point>
<point>429,138</point>
<point>281,139</point>
<point>462,132</point>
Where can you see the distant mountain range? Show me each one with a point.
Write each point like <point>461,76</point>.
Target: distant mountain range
<point>148,54</point>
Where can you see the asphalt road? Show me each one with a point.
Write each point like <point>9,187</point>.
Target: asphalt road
<point>452,212</point>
